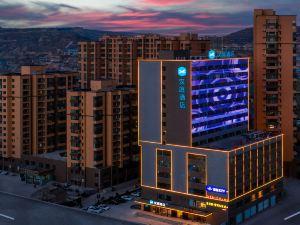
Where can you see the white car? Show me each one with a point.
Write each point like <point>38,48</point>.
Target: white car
<point>104,207</point>
<point>127,197</point>
<point>136,194</point>
<point>94,209</point>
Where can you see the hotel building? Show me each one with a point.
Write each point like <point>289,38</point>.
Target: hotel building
<point>115,57</point>
<point>275,79</point>
<point>198,159</point>
<point>33,111</point>
<point>102,135</point>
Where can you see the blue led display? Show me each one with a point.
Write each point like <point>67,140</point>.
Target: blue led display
<point>219,94</point>
<point>214,189</point>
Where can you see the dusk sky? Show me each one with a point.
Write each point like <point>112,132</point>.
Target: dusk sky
<point>155,16</point>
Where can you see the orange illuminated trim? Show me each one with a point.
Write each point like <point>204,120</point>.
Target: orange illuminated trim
<point>228,176</point>
<point>189,60</point>
<point>254,143</point>
<point>182,146</point>
<point>161,103</point>
<point>256,189</point>
<point>156,167</point>
<point>138,100</point>
<point>141,165</point>
<point>184,193</point>
<point>212,197</point>
<point>176,209</point>
<point>281,154</point>
<point>190,102</point>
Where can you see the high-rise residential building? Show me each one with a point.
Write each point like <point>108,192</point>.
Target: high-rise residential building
<point>274,77</point>
<point>33,111</point>
<point>102,135</point>
<point>199,161</point>
<point>89,59</point>
<point>115,57</point>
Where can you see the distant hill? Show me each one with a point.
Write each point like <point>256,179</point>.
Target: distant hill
<point>243,37</point>
<point>240,37</point>
<point>43,45</point>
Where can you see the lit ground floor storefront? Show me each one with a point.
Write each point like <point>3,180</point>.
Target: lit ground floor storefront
<point>211,211</point>
<point>175,212</point>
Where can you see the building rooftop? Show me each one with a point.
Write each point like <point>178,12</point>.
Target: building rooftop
<point>56,155</point>
<point>239,140</point>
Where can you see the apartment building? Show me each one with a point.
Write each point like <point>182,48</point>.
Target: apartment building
<point>274,78</point>
<point>102,135</point>
<point>115,57</point>
<point>33,111</point>
<point>199,161</point>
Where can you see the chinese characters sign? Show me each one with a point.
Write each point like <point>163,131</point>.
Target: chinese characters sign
<point>182,72</point>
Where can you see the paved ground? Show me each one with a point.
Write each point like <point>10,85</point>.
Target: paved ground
<point>19,211</point>
<point>279,214</point>
<point>13,184</point>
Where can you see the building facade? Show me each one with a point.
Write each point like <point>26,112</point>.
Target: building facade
<point>198,159</point>
<point>102,135</point>
<point>33,111</point>
<point>115,57</point>
<point>274,78</point>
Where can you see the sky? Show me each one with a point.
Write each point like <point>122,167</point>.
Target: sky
<point>205,17</point>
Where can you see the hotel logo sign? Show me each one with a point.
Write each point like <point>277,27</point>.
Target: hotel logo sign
<point>182,72</point>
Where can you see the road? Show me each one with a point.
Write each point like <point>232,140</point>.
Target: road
<point>287,212</point>
<point>16,210</point>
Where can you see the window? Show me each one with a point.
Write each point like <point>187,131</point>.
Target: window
<point>197,174</point>
<point>164,168</point>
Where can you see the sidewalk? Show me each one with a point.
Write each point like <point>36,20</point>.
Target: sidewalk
<point>14,185</point>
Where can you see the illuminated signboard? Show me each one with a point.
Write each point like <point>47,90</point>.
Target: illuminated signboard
<point>219,94</point>
<point>182,72</point>
<point>217,205</point>
<point>212,54</point>
<point>214,189</point>
<point>157,203</point>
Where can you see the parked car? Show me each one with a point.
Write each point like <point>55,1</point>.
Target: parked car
<point>127,197</point>
<point>95,209</point>
<point>104,207</point>
<point>136,194</point>
<point>135,206</point>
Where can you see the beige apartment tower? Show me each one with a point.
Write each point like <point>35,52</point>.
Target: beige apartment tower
<point>274,76</point>
<point>33,111</point>
<point>102,134</point>
<point>115,57</point>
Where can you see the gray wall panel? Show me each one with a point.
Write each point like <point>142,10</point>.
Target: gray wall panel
<point>149,101</point>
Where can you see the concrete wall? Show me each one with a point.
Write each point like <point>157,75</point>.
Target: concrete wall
<point>216,166</point>
<point>149,101</point>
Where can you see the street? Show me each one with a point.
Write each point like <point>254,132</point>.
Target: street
<point>19,211</point>
<point>286,212</point>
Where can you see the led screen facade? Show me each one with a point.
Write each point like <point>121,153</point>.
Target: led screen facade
<point>219,95</point>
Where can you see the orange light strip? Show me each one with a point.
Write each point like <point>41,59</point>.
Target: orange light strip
<point>189,60</point>
<point>255,143</point>
<point>256,189</point>
<point>161,102</point>
<point>184,193</point>
<point>182,146</point>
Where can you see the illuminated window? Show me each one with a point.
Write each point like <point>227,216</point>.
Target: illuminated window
<point>164,164</point>
<point>197,174</point>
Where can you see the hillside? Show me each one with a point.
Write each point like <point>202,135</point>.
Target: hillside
<point>56,47</point>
